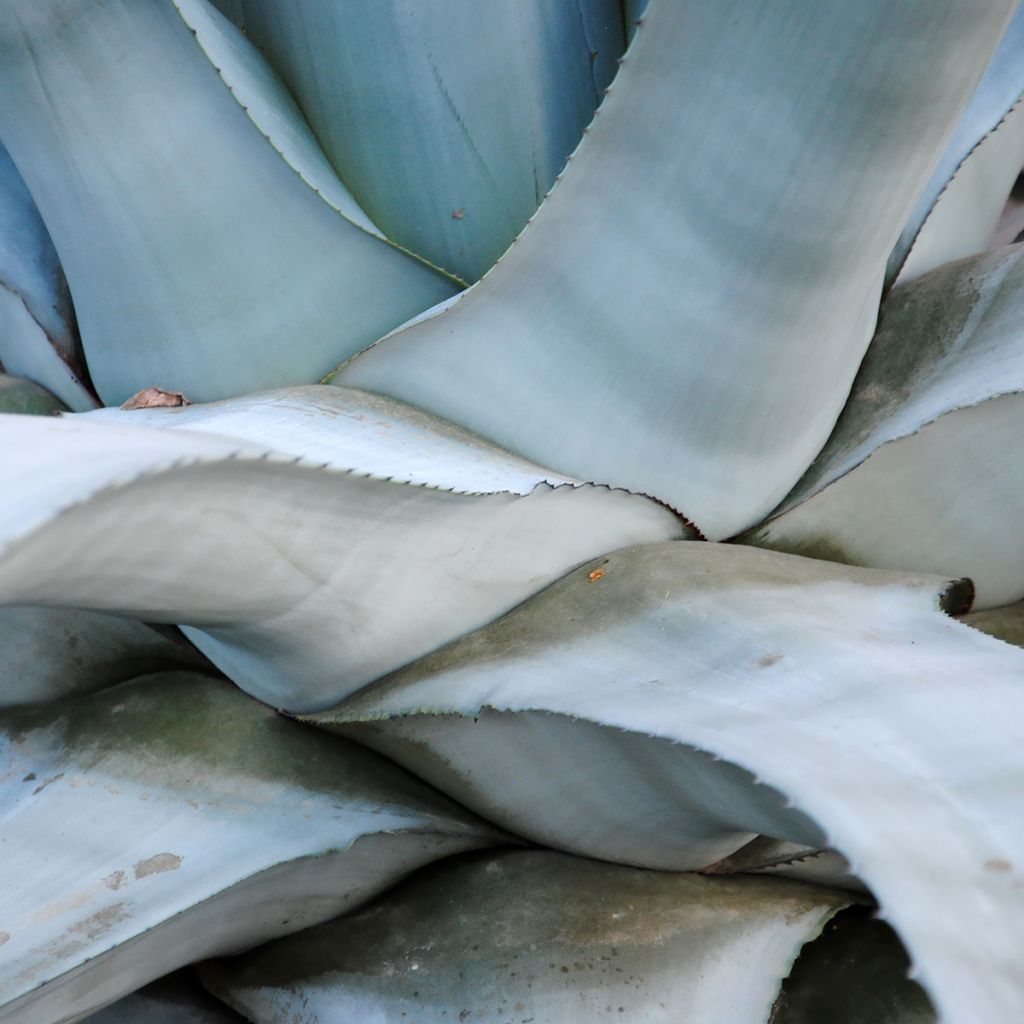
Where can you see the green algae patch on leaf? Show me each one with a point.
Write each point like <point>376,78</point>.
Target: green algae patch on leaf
<point>539,936</point>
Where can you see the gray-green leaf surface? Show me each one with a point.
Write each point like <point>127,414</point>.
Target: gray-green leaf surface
<point>661,710</point>
<point>173,818</point>
<point>686,313</point>
<point>544,937</point>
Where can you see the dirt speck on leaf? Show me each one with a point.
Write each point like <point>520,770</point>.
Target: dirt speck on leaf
<point>157,864</point>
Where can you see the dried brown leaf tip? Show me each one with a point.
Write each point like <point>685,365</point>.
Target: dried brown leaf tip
<point>156,398</point>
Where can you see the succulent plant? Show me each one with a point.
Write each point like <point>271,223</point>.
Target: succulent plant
<point>511,511</point>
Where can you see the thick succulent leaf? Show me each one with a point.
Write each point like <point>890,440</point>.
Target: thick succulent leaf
<point>176,999</point>
<point>209,247</point>
<point>917,474</point>
<point>659,706</point>
<point>635,334</point>
<point>539,936</point>
<point>967,213</point>
<point>26,398</point>
<point>37,324</point>
<point>448,119</point>
<point>172,818</point>
<point>55,652</point>
<point>960,206</point>
<point>302,582</point>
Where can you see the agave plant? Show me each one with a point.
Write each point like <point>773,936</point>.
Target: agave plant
<point>511,511</point>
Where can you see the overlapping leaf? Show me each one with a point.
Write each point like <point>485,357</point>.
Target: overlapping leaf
<point>545,937</point>
<point>960,207</point>
<point>37,324</point>
<point>687,311</point>
<point>208,244</point>
<point>659,705</point>
<point>448,120</point>
<point>918,473</point>
<point>171,818</point>
<point>301,580</point>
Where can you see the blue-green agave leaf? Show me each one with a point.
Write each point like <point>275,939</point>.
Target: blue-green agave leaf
<point>960,206</point>
<point>302,580</point>
<point>38,336</point>
<point>448,119</point>
<point>176,999</point>
<point>917,474</point>
<point>659,705</point>
<point>209,246</point>
<point>532,935</point>
<point>638,335</point>
<point>173,818</point>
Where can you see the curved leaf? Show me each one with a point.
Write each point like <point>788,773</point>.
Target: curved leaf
<point>56,652</point>
<point>694,693</point>
<point>960,206</point>
<point>917,474</point>
<point>37,324</point>
<point>767,856</point>
<point>209,247</point>
<point>172,818</point>
<point>539,936</point>
<point>301,581</point>
<point>641,334</point>
<point>448,120</point>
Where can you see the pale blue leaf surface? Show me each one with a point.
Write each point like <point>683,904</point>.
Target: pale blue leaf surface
<point>332,537</point>
<point>687,311</point>
<point>448,119</point>
<point>209,246</point>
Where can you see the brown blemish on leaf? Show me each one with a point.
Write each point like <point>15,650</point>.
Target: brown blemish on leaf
<point>114,880</point>
<point>4,937</point>
<point>46,782</point>
<point>998,864</point>
<point>458,214</point>
<point>157,864</point>
<point>597,574</point>
<point>156,398</point>
<point>767,660</point>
